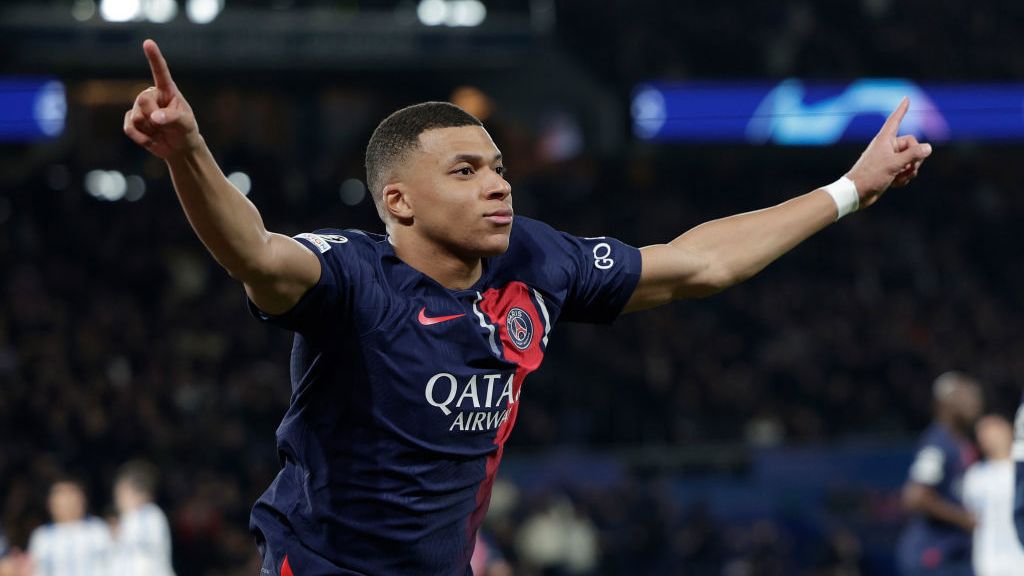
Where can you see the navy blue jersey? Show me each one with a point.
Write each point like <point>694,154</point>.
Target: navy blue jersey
<point>940,463</point>
<point>1018,458</point>
<point>404,393</point>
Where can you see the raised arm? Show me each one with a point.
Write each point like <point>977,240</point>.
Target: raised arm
<point>275,269</point>
<point>724,252</point>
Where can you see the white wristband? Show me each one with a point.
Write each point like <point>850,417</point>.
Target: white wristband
<point>844,194</point>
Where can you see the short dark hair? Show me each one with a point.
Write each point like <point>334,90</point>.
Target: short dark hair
<point>400,132</point>
<point>140,474</point>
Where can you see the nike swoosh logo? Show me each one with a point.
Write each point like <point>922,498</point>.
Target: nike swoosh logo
<point>427,321</point>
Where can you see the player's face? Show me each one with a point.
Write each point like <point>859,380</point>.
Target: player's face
<point>66,502</point>
<point>456,188</point>
<point>968,404</point>
<point>124,496</point>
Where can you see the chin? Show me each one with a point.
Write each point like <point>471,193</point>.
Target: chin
<point>495,245</point>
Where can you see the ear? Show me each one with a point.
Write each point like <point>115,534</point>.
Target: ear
<point>396,202</point>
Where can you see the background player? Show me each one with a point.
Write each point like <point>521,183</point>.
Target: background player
<point>142,543</point>
<point>937,539</point>
<point>988,495</point>
<point>370,483</point>
<point>74,543</point>
<point>1018,458</point>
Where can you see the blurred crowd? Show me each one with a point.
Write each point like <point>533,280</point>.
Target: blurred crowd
<point>121,338</point>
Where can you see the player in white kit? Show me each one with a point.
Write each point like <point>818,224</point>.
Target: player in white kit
<point>75,544</point>
<point>142,543</point>
<point>988,494</point>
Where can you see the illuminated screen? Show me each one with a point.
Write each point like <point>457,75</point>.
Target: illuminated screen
<point>31,108</point>
<point>794,112</point>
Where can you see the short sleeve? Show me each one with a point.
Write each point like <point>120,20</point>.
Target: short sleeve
<point>929,466</point>
<point>329,297</point>
<point>606,272</point>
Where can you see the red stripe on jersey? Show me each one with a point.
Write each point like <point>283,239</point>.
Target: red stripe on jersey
<point>286,568</point>
<point>497,304</point>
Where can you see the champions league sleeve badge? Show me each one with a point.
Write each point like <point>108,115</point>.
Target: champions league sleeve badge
<point>519,327</point>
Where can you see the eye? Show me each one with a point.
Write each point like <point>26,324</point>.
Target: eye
<point>502,171</point>
<point>464,171</point>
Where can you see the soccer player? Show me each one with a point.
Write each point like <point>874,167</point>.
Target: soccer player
<point>988,494</point>
<point>411,348</point>
<point>1018,457</point>
<point>142,542</point>
<point>74,543</point>
<point>937,539</point>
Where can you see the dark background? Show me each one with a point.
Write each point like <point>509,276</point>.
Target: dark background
<point>120,337</point>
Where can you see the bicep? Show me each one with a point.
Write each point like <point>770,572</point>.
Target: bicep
<point>670,273</point>
<point>289,270</point>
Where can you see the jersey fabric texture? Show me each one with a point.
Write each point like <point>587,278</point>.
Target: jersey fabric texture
<point>404,393</point>
<point>929,546</point>
<point>79,548</point>
<point>143,543</point>
<point>988,494</point>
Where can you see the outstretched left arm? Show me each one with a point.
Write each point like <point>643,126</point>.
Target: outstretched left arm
<point>724,252</point>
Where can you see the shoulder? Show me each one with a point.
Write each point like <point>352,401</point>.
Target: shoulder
<point>975,472</point>
<point>529,234</point>
<point>152,513</point>
<point>325,240</point>
<point>97,526</point>
<point>937,436</point>
<point>41,534</point>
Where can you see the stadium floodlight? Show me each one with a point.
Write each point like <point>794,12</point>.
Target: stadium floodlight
<point>159,11</point>
<point>203,11</point>
<point>120,10</point>
<point>109,185</point>
<point>453,13</point>
<point>241,181</point>
<point>352,191</point>
<point>467,13</point>
<point>83,10</point>
<point>135,188</point>
<point>432,12</point>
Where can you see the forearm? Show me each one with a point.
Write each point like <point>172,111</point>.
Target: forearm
<point>948,512</point>
<point>926,501</point>
<point>737,247</point>
<point>227,223</point>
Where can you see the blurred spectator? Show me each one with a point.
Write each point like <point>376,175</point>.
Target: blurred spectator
<point>937,539</point>
<point>558,540</point>
<point>142,539</point>
<point>487,558</point>
<point>74,543</point>
<point>988,494</point>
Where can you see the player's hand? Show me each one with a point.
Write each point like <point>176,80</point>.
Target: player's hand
<point>889,160</point>
<point>161,121</point>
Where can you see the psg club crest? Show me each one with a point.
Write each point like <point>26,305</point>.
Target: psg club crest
<point>520,328</point>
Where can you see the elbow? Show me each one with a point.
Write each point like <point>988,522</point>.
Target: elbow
<point>713,280</point>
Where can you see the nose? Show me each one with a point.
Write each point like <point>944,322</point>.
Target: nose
<point>498,188</point>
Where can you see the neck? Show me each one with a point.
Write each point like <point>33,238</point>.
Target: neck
<point>444,267</point>
<point>950,424</point>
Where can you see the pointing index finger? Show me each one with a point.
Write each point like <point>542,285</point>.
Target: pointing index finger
<point>892,123</point>
<point>158,66</point>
